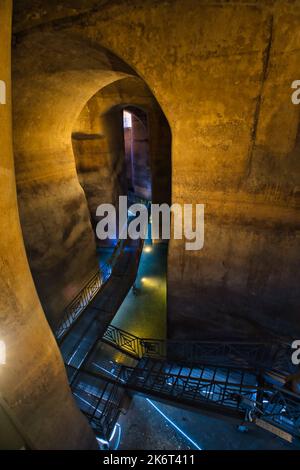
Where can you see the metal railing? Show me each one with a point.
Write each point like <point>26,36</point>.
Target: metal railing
<point>133,345</point>
<point>98,399</point>
<point>273,356</point>
<point>220,389</point>
<point>79,304</point>
<point>88,292</point>
<point>94,284</point>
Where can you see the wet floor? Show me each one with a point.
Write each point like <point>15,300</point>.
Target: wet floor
<point>144,310</point>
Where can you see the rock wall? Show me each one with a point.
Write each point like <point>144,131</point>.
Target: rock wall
<point>222,73</point>
<point>33,382</point>
<point>48,96</point>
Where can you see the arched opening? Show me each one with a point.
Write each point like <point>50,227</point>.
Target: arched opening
<point>70,156</point>
<point>87,88</point>
<point>112,159</point>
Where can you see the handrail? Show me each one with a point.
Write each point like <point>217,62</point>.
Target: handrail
<point>101,403</point>
<point>245,355</point>
<point>259,403</point>
<point>221,390</point>
<point>93,285</point>
<point>79,304</point>
<point>88,292</point>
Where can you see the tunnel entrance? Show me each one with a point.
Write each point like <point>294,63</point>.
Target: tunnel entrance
<point>122,146</point>
<point>137,153</point>
<point>73,159</point>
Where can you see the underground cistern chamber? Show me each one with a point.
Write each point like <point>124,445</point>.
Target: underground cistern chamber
<point>149,247</point>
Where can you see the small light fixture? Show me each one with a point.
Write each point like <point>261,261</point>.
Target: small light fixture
<point>2,353</point>
<point>2,92</point>
<point>148,249</point>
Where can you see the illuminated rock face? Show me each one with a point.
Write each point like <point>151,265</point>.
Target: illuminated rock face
<point>33,382</point>
<point>222,75</point>
<point>55,220</point>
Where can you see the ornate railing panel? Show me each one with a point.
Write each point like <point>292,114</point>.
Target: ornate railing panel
<point>89,291</point>
<point>125,341</point>
<point>79,304</point>
<point>274,356</point>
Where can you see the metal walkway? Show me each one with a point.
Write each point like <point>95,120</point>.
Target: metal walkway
<point>230,378</point>
<point>103,388</point>
<point>222,390</point>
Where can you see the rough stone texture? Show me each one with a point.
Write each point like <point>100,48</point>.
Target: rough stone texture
<point>55,219</point>
<point>33,381</point>
<point>221,72</point>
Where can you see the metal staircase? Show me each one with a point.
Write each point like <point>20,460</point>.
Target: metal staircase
<point>100,400</point>
<point>222,390</point>
<point>242,380</point>
<point>101,387</point>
